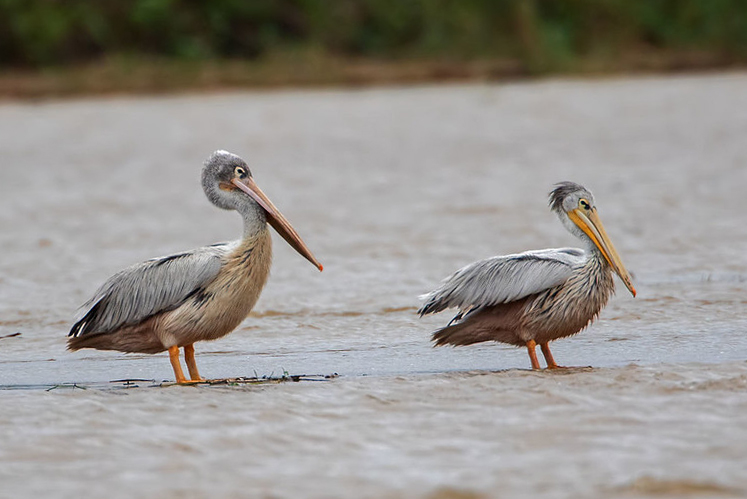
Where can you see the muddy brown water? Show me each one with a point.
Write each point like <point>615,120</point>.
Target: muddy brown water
<point>392,189</point>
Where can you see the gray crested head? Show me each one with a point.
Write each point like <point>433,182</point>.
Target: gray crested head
<point>217,173</point>
<point>566,196</point>
<point>220,174</point>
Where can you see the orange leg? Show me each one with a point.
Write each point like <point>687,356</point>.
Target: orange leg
<point>189,357</point>
<point>548,356</point>
<point>531,345</point>
<point>174,358</point>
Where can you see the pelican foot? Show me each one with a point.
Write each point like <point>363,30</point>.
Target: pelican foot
<point>190,381</point>
<point>548,356</point>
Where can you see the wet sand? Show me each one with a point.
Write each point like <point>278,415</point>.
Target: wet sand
<point>393,189</point>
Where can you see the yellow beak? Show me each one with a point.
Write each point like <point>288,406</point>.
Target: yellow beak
<point>589,222</point>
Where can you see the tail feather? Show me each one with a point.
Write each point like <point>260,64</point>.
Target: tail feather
<point>133,339</point>
<point>500,323</point>
<point>462,334</point>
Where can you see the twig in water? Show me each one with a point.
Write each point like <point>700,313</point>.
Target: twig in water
<point>66,385</point>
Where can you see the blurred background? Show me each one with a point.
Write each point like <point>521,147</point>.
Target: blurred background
<point>67,47</point>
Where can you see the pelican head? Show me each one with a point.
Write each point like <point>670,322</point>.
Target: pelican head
<point>228,184</point>
<point>575,207</point>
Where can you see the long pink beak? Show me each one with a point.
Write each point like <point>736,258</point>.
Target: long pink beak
<point>276,219</point>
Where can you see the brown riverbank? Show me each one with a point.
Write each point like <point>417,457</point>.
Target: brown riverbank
<point>137,76</point>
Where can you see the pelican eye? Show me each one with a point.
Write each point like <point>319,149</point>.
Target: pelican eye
<point>239,172</point>
<point>584,204</point>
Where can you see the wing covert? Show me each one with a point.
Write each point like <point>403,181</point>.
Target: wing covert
<point>502,279</point>
<point>142,290</point>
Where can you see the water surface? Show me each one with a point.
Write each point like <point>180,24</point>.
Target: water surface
<point>393,189</point>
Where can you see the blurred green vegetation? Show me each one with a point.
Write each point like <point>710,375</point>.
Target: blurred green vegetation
<point>542,33</point>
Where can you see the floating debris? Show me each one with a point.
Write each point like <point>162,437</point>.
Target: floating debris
<point>66,385</point>
<point>129,383</point>
<point>258,380</point>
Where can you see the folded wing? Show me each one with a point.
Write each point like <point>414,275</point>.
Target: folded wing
<point>148,288</point>
<point>502,279</point>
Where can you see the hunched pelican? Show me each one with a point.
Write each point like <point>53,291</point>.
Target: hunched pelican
<point>534,297</point>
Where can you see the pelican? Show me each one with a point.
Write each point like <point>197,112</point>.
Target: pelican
<point>534,297</point>
<point>203,294</point>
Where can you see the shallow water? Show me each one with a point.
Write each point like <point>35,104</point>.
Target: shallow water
<point>393,189</point>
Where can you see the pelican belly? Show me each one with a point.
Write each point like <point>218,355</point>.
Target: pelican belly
<point>216,310</point>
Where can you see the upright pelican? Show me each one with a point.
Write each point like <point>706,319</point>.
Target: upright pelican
<point>536,296</point>
<point>203,294</point>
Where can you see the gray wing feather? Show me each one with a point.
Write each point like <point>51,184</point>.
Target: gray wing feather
<point>142,290</point>
<point>503,279</point>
